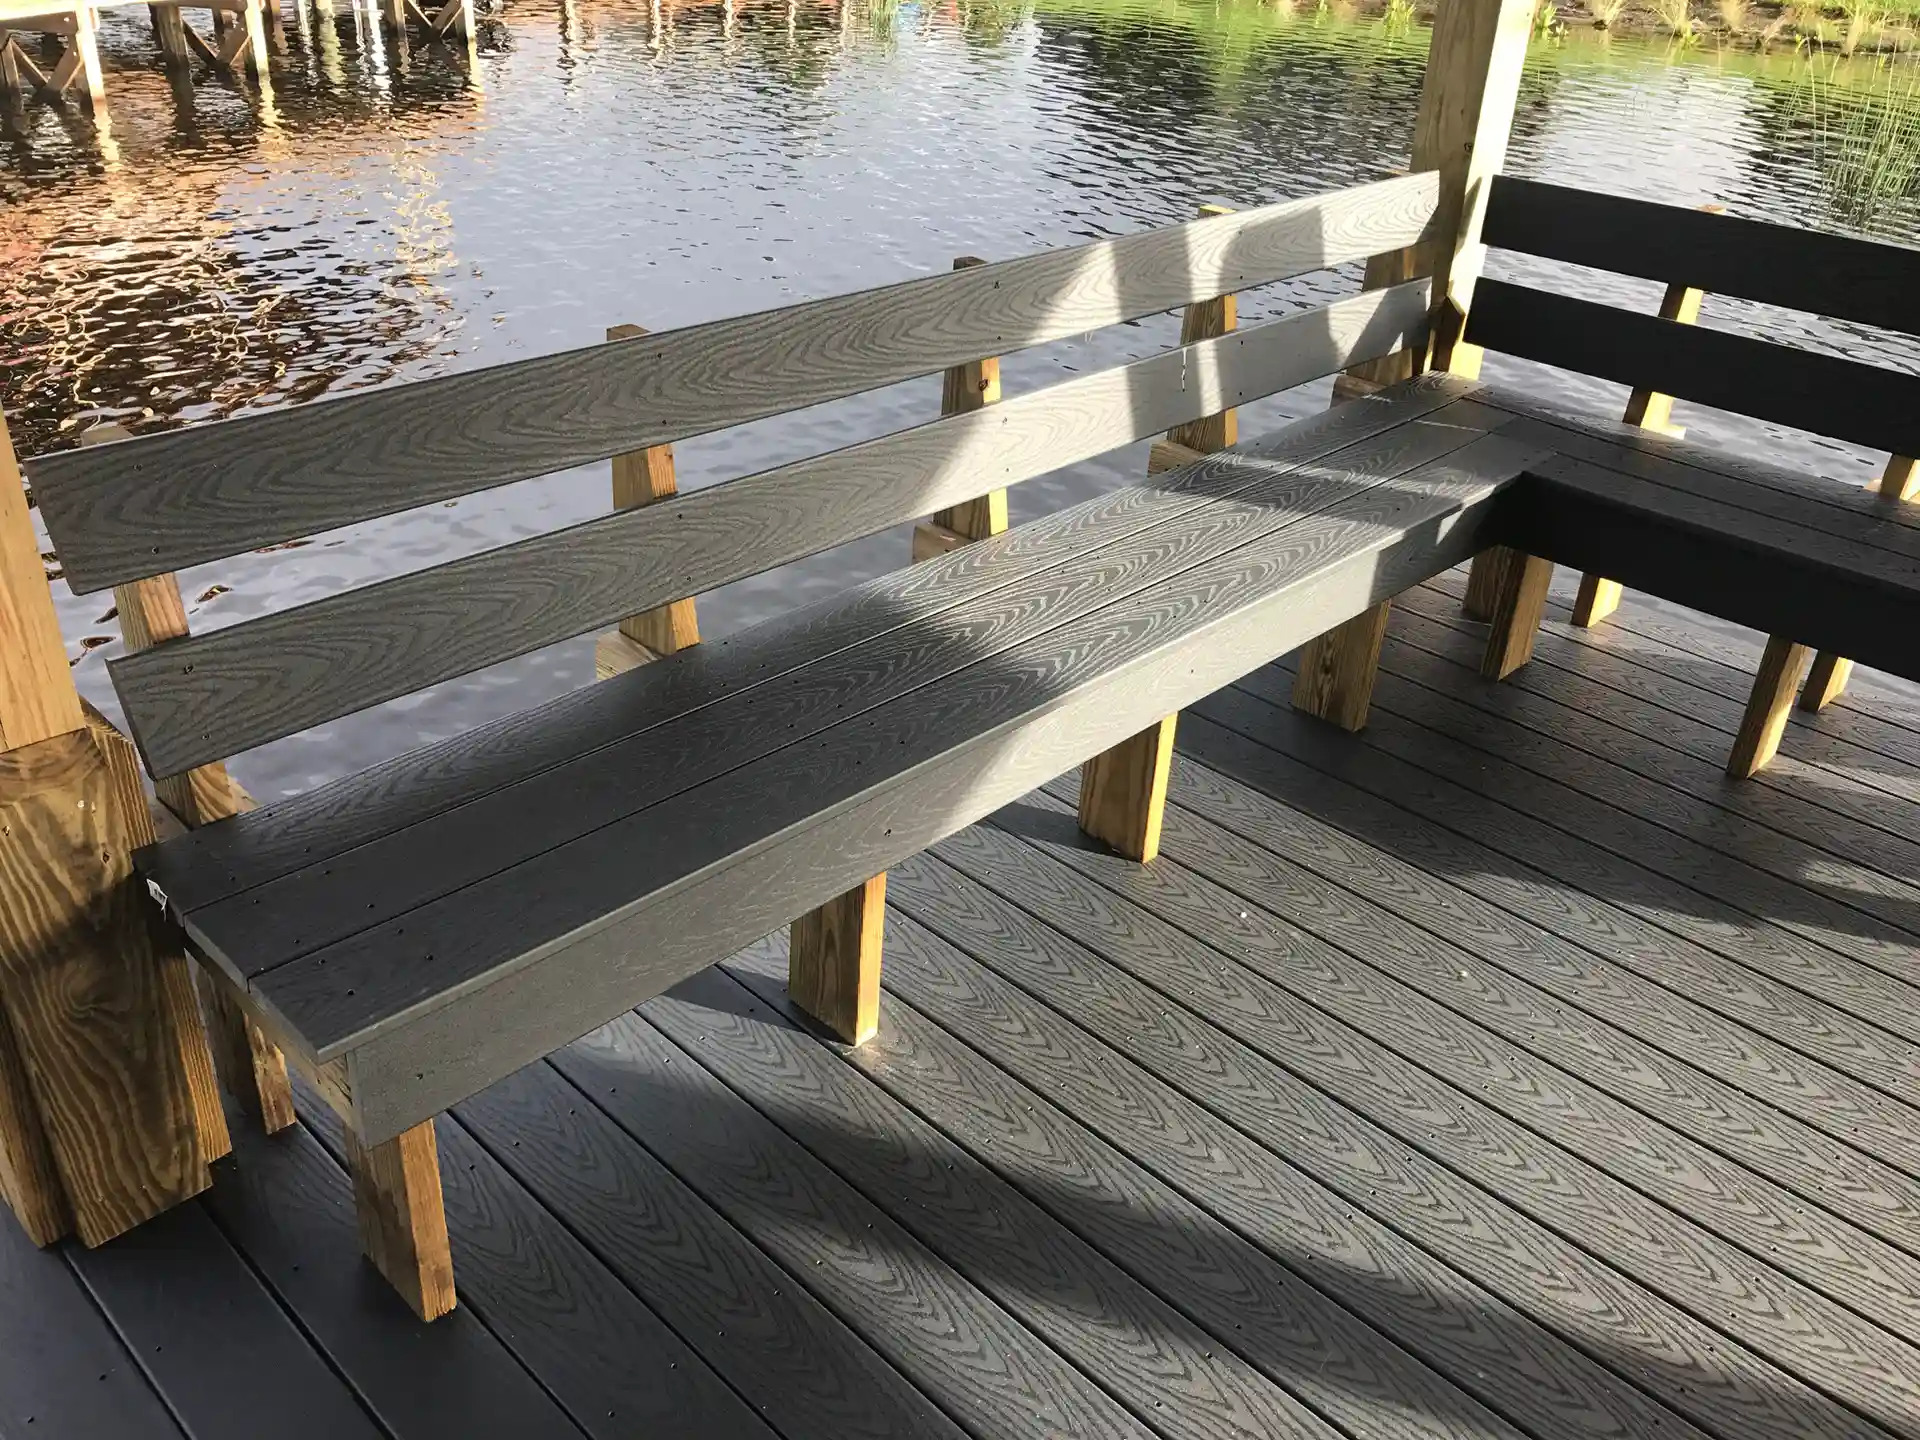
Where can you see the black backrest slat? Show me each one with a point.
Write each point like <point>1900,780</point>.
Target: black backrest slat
<point>1821,393</point>
<point>1867,281</point>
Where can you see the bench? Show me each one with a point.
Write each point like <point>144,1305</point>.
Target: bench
<point>411,934</point>
<point>1817,565</point>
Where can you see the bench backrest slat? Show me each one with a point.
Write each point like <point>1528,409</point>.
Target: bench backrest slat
<point>129,511</point>
<point>1821,393</point>
<point>1865,281</point>
<point>213,695</point>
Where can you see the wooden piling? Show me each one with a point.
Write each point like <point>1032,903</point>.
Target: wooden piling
<point>644,477</point>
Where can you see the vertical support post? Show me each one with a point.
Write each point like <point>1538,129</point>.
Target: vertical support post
<point>1827,680</point>
<point>82,58</point>
<point>644,477</point>
<point>965,388</point>
<point>1335,676</point>
<point>833,961</point>
<point>402,1216</point>
<point>170,33</point>
<point>1758,739</point>
<point>1123,791</point>
<point>1518,603</point>
<point>250,1066</point>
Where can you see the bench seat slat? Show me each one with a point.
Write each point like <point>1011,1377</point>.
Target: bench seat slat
<point>128,511</point>
<point>1870,282</point>
<point>1820,393</point>
<point>732,859</point>
<point>1243,499</point>
<point>1730,562</point>
<point>204,866</point>
<point>206,697</point>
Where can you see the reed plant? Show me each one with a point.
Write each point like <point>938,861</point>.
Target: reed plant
<point>1867,139</point>
<point>1733,16</point>
<point>1605,12</point>
<point>1677,16</point>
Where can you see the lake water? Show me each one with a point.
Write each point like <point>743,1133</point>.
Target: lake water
<point>395,214</point>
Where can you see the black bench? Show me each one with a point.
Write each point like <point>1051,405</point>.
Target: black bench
<point>1814,563</point>
<point>413,933</point>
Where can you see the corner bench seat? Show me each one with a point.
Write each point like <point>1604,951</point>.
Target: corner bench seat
<point>432,925</point>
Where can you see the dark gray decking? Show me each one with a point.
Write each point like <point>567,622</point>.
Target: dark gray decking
<point>1501,1071</point>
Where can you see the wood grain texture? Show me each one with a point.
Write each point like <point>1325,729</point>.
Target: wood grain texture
<point>1755,1101</point>
<point>761,1330</point>
<point>1164,455</point>
<point>212,1339</point>
<point>1251,1303</point>
<point>1157,1362</point>
<point>821,819</point>
<point>287,1204</point>
<point>402,1218</point>
<point>1870,282</point>
<point>209,865</point>
<point>89,1011</point>
<point>29,1179</point>
<point>983,1367</point>
<point>1335,678</point>
<point>251,1066</point>
<point>964,388</point>
<point>1232,1024</point>
<point>645,477</point>
<point>1517,607</point>
<point>1758,738</point>
<point>37,698</point>
<point>1124,789</point>
<point>1450,1317</point>
<point>1210,879</point>
<point>1089,558</point>
<point>63,1370</point>
<point>1633,867</point>
<point>164,502</point>
<point>1822,393</point>
<point>214,695</point>
<point>834,961</point>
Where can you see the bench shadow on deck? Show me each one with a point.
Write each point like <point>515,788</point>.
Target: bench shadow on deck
<point>1501,1070</point>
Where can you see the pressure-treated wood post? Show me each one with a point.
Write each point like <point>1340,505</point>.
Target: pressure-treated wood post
<point>1765,721</point>
<point>833,961</point>
<point>644,477</point>
<point>402,1216</point>
<point>1827,680</point>
<point>965,388</point>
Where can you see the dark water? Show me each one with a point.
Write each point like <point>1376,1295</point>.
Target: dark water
<point>390,215</point>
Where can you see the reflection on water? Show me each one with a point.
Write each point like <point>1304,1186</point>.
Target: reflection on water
<point>397,211</point>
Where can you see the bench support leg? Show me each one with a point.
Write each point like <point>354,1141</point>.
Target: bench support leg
<point>403,1220</point>
<point>833,961</point>
<point>1335,678</point>
<point>1598,598</point>
<point>1483,583</point>
<point>1123,791</point>
<point>1758,740</point>
<point>1518,606</point>
<point>251,1067</point>
<point>1827,680</point>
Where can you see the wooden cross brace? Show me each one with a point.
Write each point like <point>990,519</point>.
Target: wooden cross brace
<point>79,59</point>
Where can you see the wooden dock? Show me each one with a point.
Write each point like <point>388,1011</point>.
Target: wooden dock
<point>1502,1070</point>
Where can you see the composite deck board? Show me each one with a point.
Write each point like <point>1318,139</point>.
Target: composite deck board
<point>594,1344</point>
<point>1804,923</point>
<point>1252,1304</point>
<point>1439,1313</point>
<point>276,840</point>
<point>1884,1004</point>
<point>796,1364</point>
<point>387,878</point>
<point>1455,1117</point>
<point>1868,281</point>
<point>1653,783</point>
<point>1849,1074</point>
<point>1711,682</point>
<point>975,1360</point>
<point>1250,913</point>
<point>204,697</point>
<point>1156,1361</point>
<point>1520,980</point>
<point>64,1373</point>
<point>213,1341</point>
<point>828,811</point>
<point>287,1205</point>
<point>168,501</point>
<point>1871,825</point>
